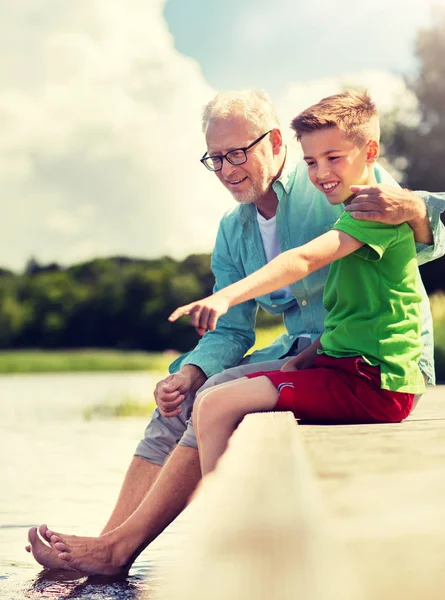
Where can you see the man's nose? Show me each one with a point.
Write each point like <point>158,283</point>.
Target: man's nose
<point>227,168</point>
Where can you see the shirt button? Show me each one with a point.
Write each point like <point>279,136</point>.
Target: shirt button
<point>303,303</point>
<point>274,305</point>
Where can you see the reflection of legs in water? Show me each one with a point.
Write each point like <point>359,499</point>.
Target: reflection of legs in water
<point>219,410</point>
<point>113,552</point>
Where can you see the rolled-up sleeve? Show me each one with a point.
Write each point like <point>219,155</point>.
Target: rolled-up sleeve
<point>234,334</point>
<point>435,203</point>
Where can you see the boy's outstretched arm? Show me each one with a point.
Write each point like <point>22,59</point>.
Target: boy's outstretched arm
<point>288,267</point>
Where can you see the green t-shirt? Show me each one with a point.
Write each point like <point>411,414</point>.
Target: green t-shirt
<point>373,303</point>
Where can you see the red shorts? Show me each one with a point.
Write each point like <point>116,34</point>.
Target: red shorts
<point>338,391</point>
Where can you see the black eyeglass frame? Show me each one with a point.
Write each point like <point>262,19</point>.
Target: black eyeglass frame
<point>205,158</point>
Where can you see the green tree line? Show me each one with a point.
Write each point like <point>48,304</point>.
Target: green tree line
<point>111,302</point>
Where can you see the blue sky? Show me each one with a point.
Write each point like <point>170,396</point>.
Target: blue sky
<point>100,108</point>
<point>269,44</point>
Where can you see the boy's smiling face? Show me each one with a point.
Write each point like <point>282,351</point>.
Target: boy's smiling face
<point>335,162</point>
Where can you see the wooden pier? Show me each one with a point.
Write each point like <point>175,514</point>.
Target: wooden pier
<point>322,513</point>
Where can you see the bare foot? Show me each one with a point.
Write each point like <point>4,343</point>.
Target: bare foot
<point>91,555</point>
<point>43,553</point>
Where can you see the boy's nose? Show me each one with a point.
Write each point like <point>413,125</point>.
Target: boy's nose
<point>323,171</point>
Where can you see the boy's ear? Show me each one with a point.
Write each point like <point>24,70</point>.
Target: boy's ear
<point>372,153</point>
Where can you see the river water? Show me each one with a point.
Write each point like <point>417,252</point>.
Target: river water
<point>58,468</point>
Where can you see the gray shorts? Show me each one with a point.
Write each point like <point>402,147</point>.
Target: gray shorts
<point>162,434</point>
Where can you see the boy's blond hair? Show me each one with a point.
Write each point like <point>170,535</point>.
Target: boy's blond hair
<point>352,111</point>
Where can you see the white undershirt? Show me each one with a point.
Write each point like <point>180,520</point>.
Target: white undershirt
<point>271,245</point>
<point>269,236</point>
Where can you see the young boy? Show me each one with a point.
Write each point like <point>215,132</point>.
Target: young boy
<point>363,368</point>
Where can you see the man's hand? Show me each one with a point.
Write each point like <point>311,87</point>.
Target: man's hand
<point>391,205</point>
<point>170,392</point>
<point>203,313</point>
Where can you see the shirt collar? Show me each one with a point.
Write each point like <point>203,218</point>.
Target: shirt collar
<point>285,181</point>
<point>288,173</point>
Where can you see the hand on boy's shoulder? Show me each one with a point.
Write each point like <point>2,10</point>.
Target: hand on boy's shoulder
<point>384,203</point>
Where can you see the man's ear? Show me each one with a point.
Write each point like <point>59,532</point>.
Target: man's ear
<point>277,140</point>
<point>372,151</point>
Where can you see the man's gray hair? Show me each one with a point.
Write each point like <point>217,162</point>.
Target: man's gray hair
<point>255,105</point>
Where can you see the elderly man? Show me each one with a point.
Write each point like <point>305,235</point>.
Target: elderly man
<point>278,209</point>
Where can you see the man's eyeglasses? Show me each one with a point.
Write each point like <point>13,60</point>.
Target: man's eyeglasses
<point>234,157</point>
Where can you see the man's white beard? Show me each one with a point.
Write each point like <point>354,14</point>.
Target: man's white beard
<point>255,192</point>
<point>246,197</point>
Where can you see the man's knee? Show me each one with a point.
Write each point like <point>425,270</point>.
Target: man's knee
<point>189,440</point>
<point>160,437</point>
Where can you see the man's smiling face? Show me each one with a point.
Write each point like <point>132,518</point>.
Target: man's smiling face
<point>252,180</point>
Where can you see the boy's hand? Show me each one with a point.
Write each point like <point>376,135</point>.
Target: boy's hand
<point>203,313</point>
<point>299,362</point>
<point>304,360</point>
<point>292,364</point>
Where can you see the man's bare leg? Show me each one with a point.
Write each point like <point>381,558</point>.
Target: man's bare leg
<point>138,481</point>
<point>114,551</point>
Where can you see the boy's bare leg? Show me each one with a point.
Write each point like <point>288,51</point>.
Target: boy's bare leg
<point>114,552</point>
<point>219,410</point>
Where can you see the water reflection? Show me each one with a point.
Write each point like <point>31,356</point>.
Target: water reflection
<point>60,585</point>
<point>59,469</point>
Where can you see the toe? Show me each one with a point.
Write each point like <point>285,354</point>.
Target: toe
<point>54,539</point>
<point>28,548</point>
<point>61,547</point>
<point>66,556</point>
<point>32,535</point>
<point>43,529</point>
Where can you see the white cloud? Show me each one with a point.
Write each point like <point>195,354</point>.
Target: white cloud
<point>386,89</point>
<point>98,109</point>
<point>64,223</point>
<point>101,133</point>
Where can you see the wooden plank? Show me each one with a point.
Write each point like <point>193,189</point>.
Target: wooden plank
<point>261,532</point>
<point>384,489</point>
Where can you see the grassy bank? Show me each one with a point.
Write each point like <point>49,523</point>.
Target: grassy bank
<point>30,361</point>
<point>61,361</point>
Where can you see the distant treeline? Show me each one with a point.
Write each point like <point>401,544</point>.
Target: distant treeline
<point>111,303</point>
<point>106,303</point>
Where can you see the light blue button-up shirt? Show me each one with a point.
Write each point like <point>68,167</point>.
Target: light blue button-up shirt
<point>303,213</point>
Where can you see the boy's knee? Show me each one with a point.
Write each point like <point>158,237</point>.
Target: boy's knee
<point>206,410</point>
